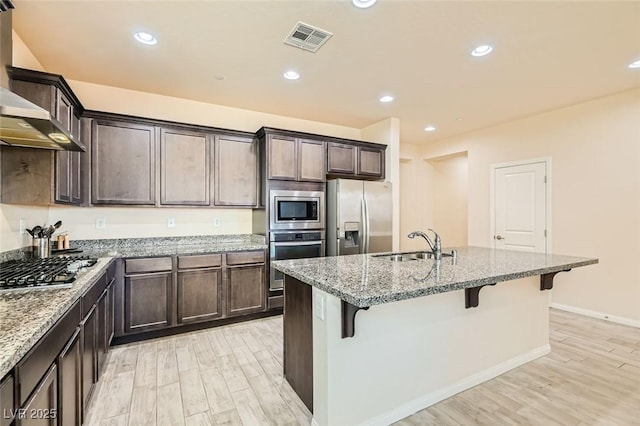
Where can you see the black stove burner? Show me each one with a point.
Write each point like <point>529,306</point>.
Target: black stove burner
<point>53,271</point>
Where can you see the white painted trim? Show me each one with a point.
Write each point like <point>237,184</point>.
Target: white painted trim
<point>597,314</point>
<point>434,397</point>
<point>492,197</point>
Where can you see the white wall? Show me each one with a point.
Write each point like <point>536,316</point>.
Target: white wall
<point>595,151</point>
<point>450,194</point>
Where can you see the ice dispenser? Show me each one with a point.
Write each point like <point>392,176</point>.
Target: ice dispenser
<point>352,236</point>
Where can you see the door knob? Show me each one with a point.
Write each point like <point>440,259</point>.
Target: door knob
<point>499,237</point>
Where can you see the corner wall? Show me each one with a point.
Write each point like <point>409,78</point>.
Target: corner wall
<point>595,151</point>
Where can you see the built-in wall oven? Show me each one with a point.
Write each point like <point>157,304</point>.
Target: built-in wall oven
<point>296,210</point>
<point>293,245</point>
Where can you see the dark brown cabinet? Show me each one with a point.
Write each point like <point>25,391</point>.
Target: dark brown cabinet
<point>7,403</point>
<point>70,382</point>
<point>88,344</point>
<point>41,408</point>
<point>291,158</point>
<point>103,317</point>
<point>235,171</point>
<point>123,159</point>
<point>246,287</point>
<point>366,161</point>
<point>199,287</point>
<point>148,301</point>
<point>184,167</point>
<point>36,176</point>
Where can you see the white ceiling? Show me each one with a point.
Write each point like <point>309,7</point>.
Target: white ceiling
<point>547,54</point>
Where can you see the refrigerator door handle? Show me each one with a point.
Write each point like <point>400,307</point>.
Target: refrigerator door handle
<point>363,222</point>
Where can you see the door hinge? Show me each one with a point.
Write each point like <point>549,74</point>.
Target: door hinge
<point>545,233</point>
<point>545,179</point>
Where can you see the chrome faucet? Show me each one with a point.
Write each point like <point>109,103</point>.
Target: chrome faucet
<point>435,246</point>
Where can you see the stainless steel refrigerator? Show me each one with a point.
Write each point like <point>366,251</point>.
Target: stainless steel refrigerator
<point>359,217</point>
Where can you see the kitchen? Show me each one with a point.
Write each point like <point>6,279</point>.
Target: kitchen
<point>571,135</point>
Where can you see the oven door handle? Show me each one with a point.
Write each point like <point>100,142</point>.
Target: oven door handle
<point>294,243</point>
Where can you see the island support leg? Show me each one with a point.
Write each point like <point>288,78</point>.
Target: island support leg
<point>349,312</point>
<point>472,296</point>
<point>546,280</point>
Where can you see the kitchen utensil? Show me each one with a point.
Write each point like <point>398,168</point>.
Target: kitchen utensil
<point>49,231</point>
<point>58,224</point>
<point>36,231</point>
<point>29,231</point>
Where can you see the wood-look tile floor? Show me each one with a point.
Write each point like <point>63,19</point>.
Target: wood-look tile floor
<point>233,375</point>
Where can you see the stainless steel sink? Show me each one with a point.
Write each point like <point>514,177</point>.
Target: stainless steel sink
<point>418,255</point>
<point>399,258</point>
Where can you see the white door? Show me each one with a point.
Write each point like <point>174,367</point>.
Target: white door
<point>520,208</point>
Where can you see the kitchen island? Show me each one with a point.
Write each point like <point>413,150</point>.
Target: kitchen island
<point>403,352</point>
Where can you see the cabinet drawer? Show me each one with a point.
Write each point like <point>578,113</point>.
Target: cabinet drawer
<point>91,295</point>
<point>243,257</point>
<point>199,261</point>
<point>154,264</point>
<point>34,365</point>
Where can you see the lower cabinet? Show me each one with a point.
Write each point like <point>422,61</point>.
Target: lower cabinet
<point>70,382</point>
<point>147,299</point>
<point>89,370</point>
<point>245,289</point>
<point>41,408</point>
<point>199,295</point>
<point>7,400</point>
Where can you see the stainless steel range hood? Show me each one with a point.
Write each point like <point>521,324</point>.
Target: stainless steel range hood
<point>25,124</point>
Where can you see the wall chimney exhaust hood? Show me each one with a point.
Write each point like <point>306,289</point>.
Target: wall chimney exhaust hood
<point>25,124</point>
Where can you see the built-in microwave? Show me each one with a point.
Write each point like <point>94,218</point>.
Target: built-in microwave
<point>296,209</point>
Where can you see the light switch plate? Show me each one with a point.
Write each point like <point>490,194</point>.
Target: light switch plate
<point>171,222</point>
<point>319,306</point>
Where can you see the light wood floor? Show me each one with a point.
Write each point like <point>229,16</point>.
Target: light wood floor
<point>233,375</point>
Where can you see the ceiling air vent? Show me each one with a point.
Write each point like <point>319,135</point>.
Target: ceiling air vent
<point>307,37</point>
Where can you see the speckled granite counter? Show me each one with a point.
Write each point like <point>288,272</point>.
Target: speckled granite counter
<point>366,280</point>
<point>26,316</point>
<point>168,246</point>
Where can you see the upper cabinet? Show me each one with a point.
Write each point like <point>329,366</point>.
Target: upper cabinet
<point>36,176</point>
<point>293,158</point>
<point>235,170</point>
<point>123,158</point>
<point>184,167</point>
<point>360,161</point>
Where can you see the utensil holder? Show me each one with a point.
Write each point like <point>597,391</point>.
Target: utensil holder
<point>42,247</point>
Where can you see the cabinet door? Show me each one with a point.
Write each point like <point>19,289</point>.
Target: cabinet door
<point>184,168</point>
<point>101,332</point>
<point>370,162</point>
<point>235,171</point>
<point>64,110</point>
<point>245,290</point>
<point>88,343</point>
<point>123,158</point>
<point>63,176</point>
<point>41,408</point>
<point>311,161</point>
<point>282,157</point>
<point>147,302</point>
<point>199,295</point>
<point>75,178</point>
<point>70,383</point>
<point>341,158</point>
<point>6,401</point>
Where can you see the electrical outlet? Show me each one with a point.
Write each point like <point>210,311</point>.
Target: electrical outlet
<point>319,306</point>
<point>171,222</point>
<point>101,223</point>
<point>216,221</point>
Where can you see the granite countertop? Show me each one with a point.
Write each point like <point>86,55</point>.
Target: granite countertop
<point>26,316</point>
<point>366,280</point>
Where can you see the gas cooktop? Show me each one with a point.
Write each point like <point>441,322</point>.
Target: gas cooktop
<point>53,272</point>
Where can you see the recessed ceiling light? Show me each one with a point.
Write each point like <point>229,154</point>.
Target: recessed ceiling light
<point>386,98</point>
<point>145,38</point>
<point>429,129</point>
<point>291,75</point>
<point>482,50</point>
<point>635,64</point>
<point>363,4</point>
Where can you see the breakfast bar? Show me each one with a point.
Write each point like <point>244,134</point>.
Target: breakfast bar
<point>370,339</point>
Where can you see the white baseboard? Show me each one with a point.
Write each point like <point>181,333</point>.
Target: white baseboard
<point>597,314</point>
<point>431,398</point>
